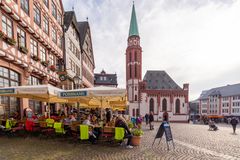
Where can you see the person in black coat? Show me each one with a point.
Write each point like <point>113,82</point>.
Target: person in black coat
<point>147,118</point>
<point>151,119</point>
<point>234,123</point>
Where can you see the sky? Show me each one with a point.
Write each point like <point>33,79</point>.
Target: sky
<point>194,41</point>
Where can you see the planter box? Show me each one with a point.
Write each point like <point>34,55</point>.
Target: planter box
<point>35,58</point>
<point>10,41</point>
<point>23,49</point>
<point>52,68</point>
<point>136,140</point>
<point>44,63</point>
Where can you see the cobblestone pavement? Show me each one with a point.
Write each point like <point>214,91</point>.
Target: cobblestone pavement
<point>191,142</point>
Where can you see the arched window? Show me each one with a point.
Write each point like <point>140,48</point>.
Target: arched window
<point>133,112</point>
<point>135,70</point>
<point>130,72</point>
<point>135,97</point>
<point>177,106</point>
<point>151,105</point>
<point>135,56</point>
<point>164,105</point>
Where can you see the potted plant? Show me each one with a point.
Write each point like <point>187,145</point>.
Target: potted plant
<point>10,41</point>
<point>130,125</point>
<point>45,63</point>
<point>23,49</point>
<point>52,68</point>
<point>1,34</point>
<point>137,135</point>
<point>35,57</point>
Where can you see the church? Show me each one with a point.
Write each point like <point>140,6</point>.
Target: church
<point>156,92</point>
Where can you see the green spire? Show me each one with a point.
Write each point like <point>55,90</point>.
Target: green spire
<point>133,30</point>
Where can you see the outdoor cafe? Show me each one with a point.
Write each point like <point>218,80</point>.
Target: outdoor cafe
<point>89,119</point>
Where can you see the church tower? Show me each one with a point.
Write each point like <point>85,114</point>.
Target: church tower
<point>133,62</point>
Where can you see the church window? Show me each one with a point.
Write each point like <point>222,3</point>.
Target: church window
<point>135,56</point>
<point>135,97</point>
<point>164,105</point>
<point>130,72</point>
<point>135,70</point>
<point>133,112</point>
<point>130,57</point>
<point>151,105</point>
<point>177,106</point>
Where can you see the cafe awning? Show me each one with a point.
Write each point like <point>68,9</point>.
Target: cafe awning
<point>100,96</point>
<point>45,93</point>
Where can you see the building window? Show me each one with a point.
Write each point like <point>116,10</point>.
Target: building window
<point>54,35</point>
<point>151,105</point>
<point>164,105</point>
<point>42,54</point>
<point>136,98</point>
<point>36,106</point>
<point>33,47</point>
<point>21,37</point>
<point>51,59</point>
<point>59,18</point>
<point>33,81</point>
<point>60,41</point>
<point>7,26</point>
<point>9,78</point>
<point>130,71</point>
<point>177,106</point>
<point>25,6</point>
<point>135,56</point>
<point>54,10</point>
<point>45,25</point>
<point>135,70</point>
<point>46,3</point>
<point>37,15</point>
<point>133,110</point>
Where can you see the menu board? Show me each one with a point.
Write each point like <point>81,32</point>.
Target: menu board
<point>168,132</point>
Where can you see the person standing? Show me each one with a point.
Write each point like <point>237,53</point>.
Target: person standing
<point>108,115</point>
<point>234,123</point>
<point>147,118</point>
<point>151,119</point>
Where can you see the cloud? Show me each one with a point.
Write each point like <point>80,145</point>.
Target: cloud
<point>194,41</point>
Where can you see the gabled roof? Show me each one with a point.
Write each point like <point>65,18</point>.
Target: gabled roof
<point>224,91</point>
<point>69,18</point>
<point>111,79</point>
<point>83,28</point>
<point>158,80</point>
<point>133,30</point>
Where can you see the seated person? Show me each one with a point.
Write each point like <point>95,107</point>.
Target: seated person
<point>95,132</point>
<point>121,122</point>
<point>72,118</point>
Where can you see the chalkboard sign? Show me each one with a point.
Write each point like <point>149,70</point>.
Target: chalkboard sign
<point>168,132</point>
<point>164,128</point>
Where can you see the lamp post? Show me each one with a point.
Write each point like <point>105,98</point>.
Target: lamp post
<point>76,81</point>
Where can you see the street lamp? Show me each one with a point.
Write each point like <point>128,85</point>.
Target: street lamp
<point>77,81</point>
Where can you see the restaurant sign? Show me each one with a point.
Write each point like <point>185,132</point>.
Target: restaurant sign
<point>7,90</point>
<point>73,94</point>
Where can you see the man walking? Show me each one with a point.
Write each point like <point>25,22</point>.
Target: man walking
<point>147,118</point>
<point>234,123</point>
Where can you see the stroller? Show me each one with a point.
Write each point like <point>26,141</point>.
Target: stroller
<point>212,126</point>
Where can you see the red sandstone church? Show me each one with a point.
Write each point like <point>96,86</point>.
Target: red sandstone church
<point>157,92</point>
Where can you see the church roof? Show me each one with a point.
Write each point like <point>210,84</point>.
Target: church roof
<point>133,30</point>
<point>159,80</point>
<point>224,91</point>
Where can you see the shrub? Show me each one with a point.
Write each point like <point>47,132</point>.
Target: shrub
<point>137,132</point>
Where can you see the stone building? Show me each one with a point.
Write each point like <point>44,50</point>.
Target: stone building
<point>105,79</point>
<point>221,101</point>
<point>88,64</point>
<point>30,47</point>
<point>157,92</point>
<point>72,54</point>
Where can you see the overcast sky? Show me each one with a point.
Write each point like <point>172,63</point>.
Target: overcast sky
<point>194,41</point>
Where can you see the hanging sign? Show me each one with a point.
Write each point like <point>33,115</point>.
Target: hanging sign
<point>73,94</point>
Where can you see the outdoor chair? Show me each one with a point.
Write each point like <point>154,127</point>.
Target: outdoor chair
<point>50,122</point>
<point>45,131</point>
<point>59,129</point>
<point>119,133</point>
<point>84,132</point>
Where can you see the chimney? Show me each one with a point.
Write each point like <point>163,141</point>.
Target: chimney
<point>185,86</point>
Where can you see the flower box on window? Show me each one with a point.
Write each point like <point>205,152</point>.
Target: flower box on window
<point>1,34</point>
<point>23,49</point>
<point>35,57</point>
<point>52,68</point>
<point>44,63</point>
<point>10,41</point>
